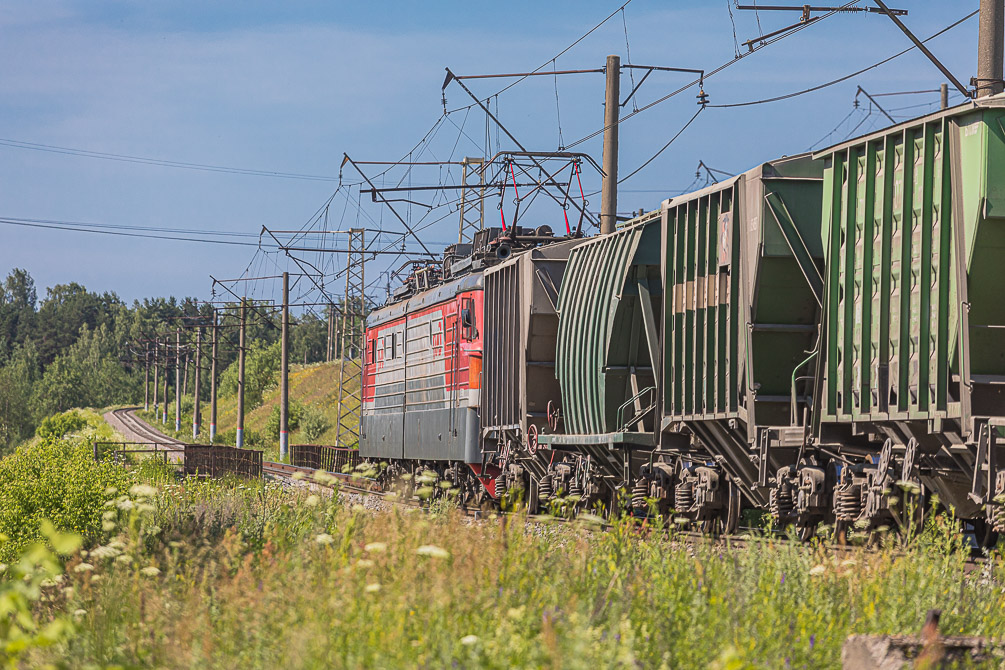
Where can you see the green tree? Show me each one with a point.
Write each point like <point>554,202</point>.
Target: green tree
<point>17,378</point>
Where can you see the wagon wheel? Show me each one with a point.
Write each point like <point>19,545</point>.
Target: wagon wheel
<point>984,533</point>
<point>885,459</point>
<point>841,532</point>
<point>532,436</point>
<point>806,531</point>
<point>910,460</point>
<point>554,414</point>
<point>731,518</point>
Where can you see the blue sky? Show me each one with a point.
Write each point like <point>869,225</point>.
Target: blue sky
<point>291,86</point>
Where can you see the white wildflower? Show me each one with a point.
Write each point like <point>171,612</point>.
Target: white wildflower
<point>125,505</point>
<point>105,552</point>
<point>364,563</point>
<point>312,501</point>
<point>143,491</point>
<point>817,570</point>
<point>79,614</point>
<point>372,588</point>
<point>124,559</point>
<point>469,640</point>
<point>83,567</point>
<point>109,515</point>
<point>150,571</point>
<point>376,547</point>
<point>324,538</point>
<point>432,551</point>
<point>108,526</point>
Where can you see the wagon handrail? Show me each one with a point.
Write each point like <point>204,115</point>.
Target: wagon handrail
<point>794,414</point>
<point>622,425</point>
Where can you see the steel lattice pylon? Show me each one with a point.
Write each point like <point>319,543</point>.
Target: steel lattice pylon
<point>350,383</point>
<point>472,199</point>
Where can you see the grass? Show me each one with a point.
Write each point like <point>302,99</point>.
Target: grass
<point>244,574</point>
<point>314,385</point>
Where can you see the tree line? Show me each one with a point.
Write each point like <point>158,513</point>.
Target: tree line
<point>78,348</point>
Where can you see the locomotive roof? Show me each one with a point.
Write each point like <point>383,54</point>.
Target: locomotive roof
<point>432,296</point>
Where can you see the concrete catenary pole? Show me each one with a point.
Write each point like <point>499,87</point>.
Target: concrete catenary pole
<point>156,363</point>
<point>146,378</point>
<point>990,47</point>
<point>609,187</point>
<point>177,381</point>
<point>167,373</point>
<point>240,377</point>
<point>284,375</point>
<point>196,417</point>
<point>212,383</point>
<point>944,96</point>
<point>184,383</point>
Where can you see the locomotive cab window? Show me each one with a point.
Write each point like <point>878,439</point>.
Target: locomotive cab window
<point>373,351</point>
<point>468,326</point>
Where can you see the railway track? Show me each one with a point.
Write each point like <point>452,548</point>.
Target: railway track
<point>142,431</point>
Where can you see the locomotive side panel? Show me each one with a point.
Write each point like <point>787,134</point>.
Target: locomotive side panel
<point>382,434</point>
<point>420,392</point>
<point>440,420</point>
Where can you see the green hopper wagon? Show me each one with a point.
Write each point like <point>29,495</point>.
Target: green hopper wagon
<point>742,266</point>
<point>912,365</point>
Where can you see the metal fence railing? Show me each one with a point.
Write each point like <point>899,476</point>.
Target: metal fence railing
<point>120,452</point>
<point>204,460</point>
<point>323,457</point>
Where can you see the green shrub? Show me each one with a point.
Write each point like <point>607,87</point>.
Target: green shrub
<point>313,423</point>
<point>58,425</point>
<point>57,480</point>
<point>25,626</point>
<point>252,438</point>
<point>272,425</point>
<point>261,371</point>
